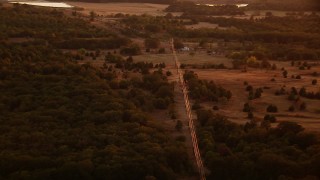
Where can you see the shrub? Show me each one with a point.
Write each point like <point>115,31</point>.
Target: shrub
<point>246,107</point>
<point>270,118</point>
<point>250,115</point>
<point>314,74</point>
<point>314,82</point>
<point>181,138</point>
<point>249,88</point>
<point>216,108</point>
<point>179,125</point>
<point>285,73</point>
<point>291,108</point>
<point>303,106</point>
<point>303,91</point>
<point>196,106</point>
<point>162,51</point>
<point>168,73</point>
<point>272,108</point>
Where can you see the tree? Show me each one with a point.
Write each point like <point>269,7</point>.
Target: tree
<point>250,115</point>
<point>152,43</point>
<point>269,14</point>
<point>249,88</point>
<point>178,44</point>
<point>291,108</point>
<point>252,61</point>
<point>179,125</point>
<point>131,50</point>
<point>314,82</point>
<point>92,15</point>
<point>272,108</point>
<point>246,107</point>
<point>285,127</point>
<point>270,118</point>
<point>258,93</point>
<point>303,106</point>
<point>303,91</point>
<point>162,51</point>
<point>285,73</point>
<point>168,73</point>
<point>216,108</point>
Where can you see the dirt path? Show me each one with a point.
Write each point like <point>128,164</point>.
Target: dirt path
<point>185,100</point>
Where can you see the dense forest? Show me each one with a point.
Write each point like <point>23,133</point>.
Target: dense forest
<point>62,120</point>
<point>255,151</point>
<point>287,5</point>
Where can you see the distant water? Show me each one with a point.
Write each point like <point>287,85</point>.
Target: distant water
<point>44,4</point>
<point>238,5</point>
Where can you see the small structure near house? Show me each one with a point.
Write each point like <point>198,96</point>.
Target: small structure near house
<point>185,48</point>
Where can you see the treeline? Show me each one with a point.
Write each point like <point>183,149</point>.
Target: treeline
<point>190,8</point>
<point>307,23</point>
<point>270,51</point>
<point>24,21</point>
<point>62,120</point>
<point>203,89</point>
<point>286,5</point>
<point>255,151</point>
<point>55,28</point>
<point>236,35</point>
<point>146,26</point>
<point>92,44</point>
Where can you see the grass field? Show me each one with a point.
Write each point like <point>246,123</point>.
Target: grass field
<point>234,81</point>
<point>125,8</point>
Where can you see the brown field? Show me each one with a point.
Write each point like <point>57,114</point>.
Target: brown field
<point>233,80</point>
<point>202,25</point>
<point>125,8</point>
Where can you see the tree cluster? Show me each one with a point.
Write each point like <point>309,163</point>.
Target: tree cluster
<point>256,152</point>
<point>204,90</point>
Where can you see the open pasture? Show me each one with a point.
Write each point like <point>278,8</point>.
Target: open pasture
<point>234,81</point>
<point>124,8</point>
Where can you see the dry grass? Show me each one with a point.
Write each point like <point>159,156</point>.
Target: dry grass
<point>233,80</point>
<point>125,8</point>
<point>202,25</point>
